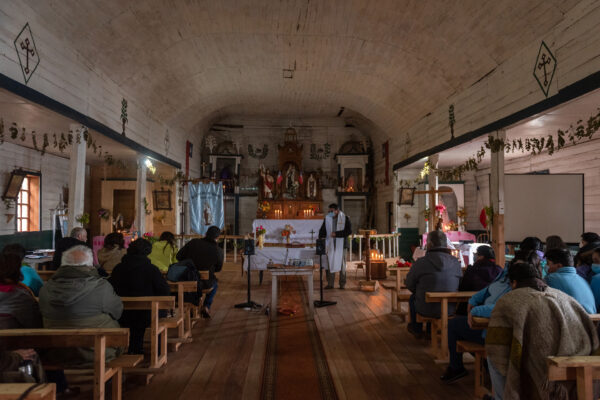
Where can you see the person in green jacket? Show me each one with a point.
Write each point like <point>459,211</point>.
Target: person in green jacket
<point>164,251</point>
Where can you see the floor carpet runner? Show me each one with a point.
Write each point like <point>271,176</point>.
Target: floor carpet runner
<point>295,364</point>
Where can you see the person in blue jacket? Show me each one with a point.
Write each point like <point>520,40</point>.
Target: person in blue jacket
<point>595,281</point>
<point>31,278</point>
<point>481,305</point>
<point>563,276</point>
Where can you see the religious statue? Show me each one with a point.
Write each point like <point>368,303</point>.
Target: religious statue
<point>350,184</point>
<point>291,182</point>
<point>312,187</point>
<point>207,214</point>
<point>267,183</point>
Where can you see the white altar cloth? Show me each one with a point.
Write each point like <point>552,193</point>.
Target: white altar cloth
<point>279,255</point>
<point>303,227</point>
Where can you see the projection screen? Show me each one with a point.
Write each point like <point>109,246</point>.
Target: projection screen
<point>543,205</point>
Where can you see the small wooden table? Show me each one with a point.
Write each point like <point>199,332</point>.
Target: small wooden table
<point>292,271</point>
<point>158,357</point>
<point>445,298</point>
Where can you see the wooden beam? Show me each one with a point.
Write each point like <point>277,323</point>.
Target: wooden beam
<point>497,200</point>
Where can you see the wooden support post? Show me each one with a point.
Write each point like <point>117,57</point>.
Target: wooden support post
<point>76,175</point>
<point>140,196</point>
<point>224,249</point>
<point>497,200</point>
<point>433,186</point>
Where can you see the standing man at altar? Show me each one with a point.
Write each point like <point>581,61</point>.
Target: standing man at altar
<point>335,229</point>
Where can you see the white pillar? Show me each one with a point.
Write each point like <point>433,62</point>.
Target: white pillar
<point>76,175</point>
<point>140,195</point>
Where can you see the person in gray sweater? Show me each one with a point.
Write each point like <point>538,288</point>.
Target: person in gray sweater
<point>437,271</point>
<point>77,297</point>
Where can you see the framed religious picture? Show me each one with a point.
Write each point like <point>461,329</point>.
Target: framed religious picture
<point>162,199</point>
<point>407,197</point>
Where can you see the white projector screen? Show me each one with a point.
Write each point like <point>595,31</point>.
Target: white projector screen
<point>543,205</point>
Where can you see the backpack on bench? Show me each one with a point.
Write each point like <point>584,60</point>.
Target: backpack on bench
<point>185,271</point>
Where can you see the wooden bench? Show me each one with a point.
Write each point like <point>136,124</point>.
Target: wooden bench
<point>444,298</point>
<point>98,339</point>
<point>583,369</point>
<point>435,332</point>
<point>158,356</point>
<point>184,334</point>
<point>12,391</point>
<point>398,297</point>
<point>463,346</point>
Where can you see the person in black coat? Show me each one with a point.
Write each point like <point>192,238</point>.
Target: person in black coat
<point>206,256</point>
<point>137,276</point>
<point>483,271</point>
<point>78,237</point>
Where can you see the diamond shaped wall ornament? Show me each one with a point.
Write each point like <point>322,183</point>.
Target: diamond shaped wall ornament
<point>27,52</point>
<point>545,66</point>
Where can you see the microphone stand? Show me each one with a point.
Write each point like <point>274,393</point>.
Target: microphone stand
<point>249,304</point>
<point>321,302</point>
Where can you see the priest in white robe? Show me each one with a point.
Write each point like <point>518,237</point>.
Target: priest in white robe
<point>335,229</point>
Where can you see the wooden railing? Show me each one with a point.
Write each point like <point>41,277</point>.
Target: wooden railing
<point>230,243</point>
<point>386,242</point>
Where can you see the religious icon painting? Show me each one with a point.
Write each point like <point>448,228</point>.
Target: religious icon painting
<point>162,200</point>
<point>407,196</point>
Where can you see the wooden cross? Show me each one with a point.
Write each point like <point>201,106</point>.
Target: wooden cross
<point>432,193</point>
<point>312,233</point>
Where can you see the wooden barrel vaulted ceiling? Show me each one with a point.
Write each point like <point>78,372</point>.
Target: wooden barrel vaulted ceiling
<point>387,62</point>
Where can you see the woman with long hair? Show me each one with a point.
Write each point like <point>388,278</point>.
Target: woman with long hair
<point>164,251</point>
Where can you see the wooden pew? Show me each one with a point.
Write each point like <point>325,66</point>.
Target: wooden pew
<point>399,297</point>
<point>46,275</point>
<point>444,298</point>
<point>583,369</point>
<point>185,329</point>
<point>98,339</point>
<point>158,357</point>
<point>463,346</point>
<point>12,391</point>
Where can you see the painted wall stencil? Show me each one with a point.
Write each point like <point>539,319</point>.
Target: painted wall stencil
<point>28,55</point>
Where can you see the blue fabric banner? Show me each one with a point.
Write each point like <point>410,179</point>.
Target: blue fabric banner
<point>206,206</point>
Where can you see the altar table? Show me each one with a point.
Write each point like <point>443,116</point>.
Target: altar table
<point>292,271</point>
<point>280,255</point>
<point>303,228</point>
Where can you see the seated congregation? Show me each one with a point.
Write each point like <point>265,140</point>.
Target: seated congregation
<point>541,304</point>
<point>81,294</point>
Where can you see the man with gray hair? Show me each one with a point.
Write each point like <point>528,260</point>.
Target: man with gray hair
<point>78,237</point>
<point>77,297</point>
<point>437,271</point>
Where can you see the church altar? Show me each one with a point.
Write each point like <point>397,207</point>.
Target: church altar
<point>281,255</point>
<point>303,228</point>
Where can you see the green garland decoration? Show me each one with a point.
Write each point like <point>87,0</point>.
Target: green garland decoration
<point>534,146</point>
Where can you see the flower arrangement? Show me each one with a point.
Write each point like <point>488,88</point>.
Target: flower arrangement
<point>287,231</point>
<point>83,219</point>
<point>403,264</point>
<point>427,213</point>
<point>452,226</point>
<point>462,217</point>
<point>104,214</point>
<point>264,206</point>
<point>439,209</point>
<point>149,236</point>
<point>260,230</point>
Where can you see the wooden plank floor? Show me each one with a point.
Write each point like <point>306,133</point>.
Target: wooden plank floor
<point>370,353</point>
